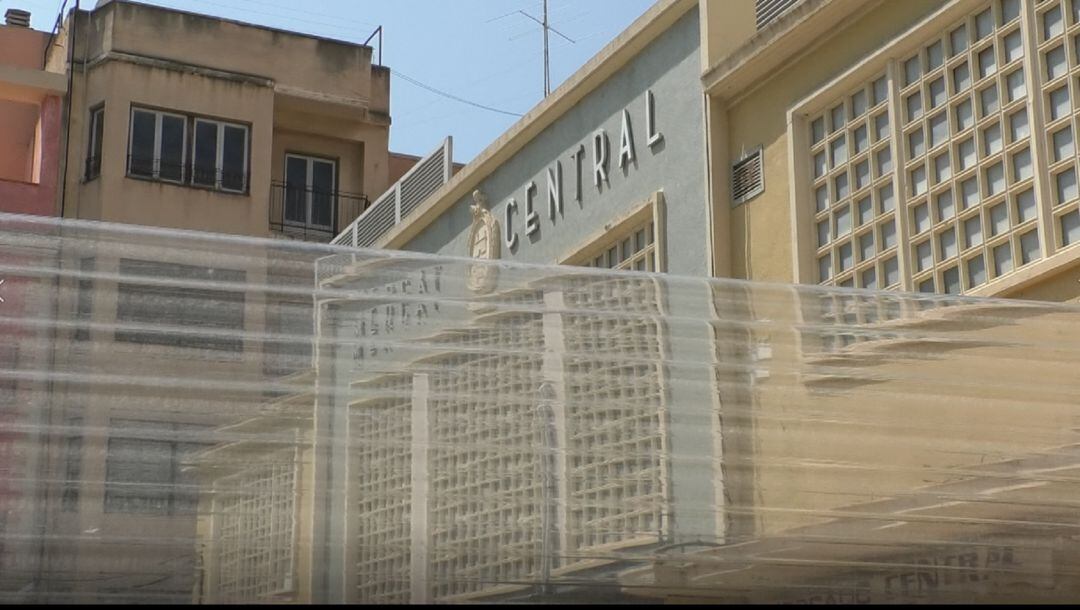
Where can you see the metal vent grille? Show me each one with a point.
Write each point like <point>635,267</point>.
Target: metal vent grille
<point>766,11</point>
<point>404,196</point>
<point>747,178</point>
<point>378,219</point>
<point>426,178</point>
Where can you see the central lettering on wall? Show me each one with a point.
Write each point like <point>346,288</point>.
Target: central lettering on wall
<point>598,164</point>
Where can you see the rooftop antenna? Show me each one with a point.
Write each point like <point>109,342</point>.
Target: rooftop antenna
<point>378,31</point>
<point>547,63</point>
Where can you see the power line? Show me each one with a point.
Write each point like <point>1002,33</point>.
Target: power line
<point>234,7</point>
<point>452,96</point>
<point>307,11</point>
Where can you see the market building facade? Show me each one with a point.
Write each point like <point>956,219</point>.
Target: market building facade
<point>830,441</point>
<point>921,147</point>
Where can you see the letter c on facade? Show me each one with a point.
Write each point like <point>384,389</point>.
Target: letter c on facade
<point>511,236</point>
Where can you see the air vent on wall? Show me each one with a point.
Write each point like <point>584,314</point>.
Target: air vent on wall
<point>747,178</point>
<point>766,11</point>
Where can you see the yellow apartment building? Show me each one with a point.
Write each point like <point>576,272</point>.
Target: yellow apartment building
<point>185,111</point>
<point>178,121</point>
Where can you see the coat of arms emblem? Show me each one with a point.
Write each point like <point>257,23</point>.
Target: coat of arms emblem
<point>484,244</point>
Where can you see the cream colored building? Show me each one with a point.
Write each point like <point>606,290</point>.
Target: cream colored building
<point>830,445</point>
<point>921,146</point>
<point>180,120</point>
<point>915,146</point>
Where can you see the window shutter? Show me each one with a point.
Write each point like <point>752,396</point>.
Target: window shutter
<point>747,178</point>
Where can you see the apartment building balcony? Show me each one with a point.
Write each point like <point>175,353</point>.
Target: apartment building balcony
<point>312,213</point>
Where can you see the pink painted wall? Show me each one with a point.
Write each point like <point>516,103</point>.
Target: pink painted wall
<point>22,47</point>
<point>40,198</point>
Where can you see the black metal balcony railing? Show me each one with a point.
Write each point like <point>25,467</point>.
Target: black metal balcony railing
<point>218,178</point>
<point>184,173</point>
<point>157,169</point>
<point>312,214</point>
<point>93,167</point>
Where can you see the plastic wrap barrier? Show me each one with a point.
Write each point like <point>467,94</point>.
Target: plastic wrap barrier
<point>196,418</point>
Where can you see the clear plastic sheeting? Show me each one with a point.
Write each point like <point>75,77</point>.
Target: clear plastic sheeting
<point>196,418</point>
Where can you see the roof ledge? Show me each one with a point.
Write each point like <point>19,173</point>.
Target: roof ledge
<point>768,49</point>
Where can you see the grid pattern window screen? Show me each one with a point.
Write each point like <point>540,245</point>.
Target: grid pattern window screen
<point>382,432</point>
<point>486,485</point>
<point>214,319</point>
<point>144,467</point>
<point>1058,26</point>
<point>959,217</point>
<point>962,199</point>
<point>495,482</point>
<point>617,430</point>
<point>854,192</point>
<point>634,248</point>
<point>256,554</point>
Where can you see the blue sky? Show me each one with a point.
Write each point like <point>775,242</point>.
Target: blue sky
<point>481,50</point>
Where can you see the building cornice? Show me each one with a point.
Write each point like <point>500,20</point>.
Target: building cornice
<point>357,103</point>
<point>141,6</point>
<point>1030,275</point>
<point>177,66</point>
<point>33,82</point>
<point>774,46</point>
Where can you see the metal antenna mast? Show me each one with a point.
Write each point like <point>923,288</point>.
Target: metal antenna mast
<point>547,57</point>
<point>547,62</point>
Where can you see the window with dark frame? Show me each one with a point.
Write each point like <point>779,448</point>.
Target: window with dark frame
<point>69,499</point>
<point>9,359</point>
<point>220,155</point>
<point>293,325</point>
<point>187,149</point>
<point>84,300</point>
<point>217,314</point>
<point>97,132</point>
<point>157,145</point>
<point>310,185</point>
<point>144,467</point>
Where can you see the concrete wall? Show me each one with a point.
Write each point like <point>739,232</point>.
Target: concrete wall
<point>35,192</point>
<point>315,64</point>
<point>399,164</point>
<point>1063,285</point>
<point>19,124</point>
<point>361,147</point>
<point>670,68</point>
<point>725,24</point>
<point>22,47</point>
<point>30,117</point>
